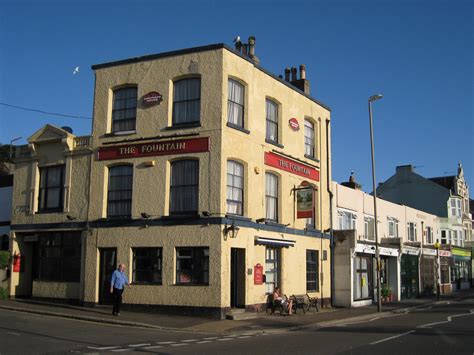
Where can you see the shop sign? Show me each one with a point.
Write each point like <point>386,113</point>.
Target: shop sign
<point>445,253</point>
<point>461,252</point>
<point>370,249</point>
<point>30,238</point>
<point>291,166</point>
<point>258,274</point>
<point>410,250</point>
<point>429,252</point>
<point>152,98</point>
<point>182,146</point>
<point>294,124</point>
<point>304,203</point>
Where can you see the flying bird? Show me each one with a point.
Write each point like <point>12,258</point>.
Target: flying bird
<point>237,39</point>
<point>76,70</point>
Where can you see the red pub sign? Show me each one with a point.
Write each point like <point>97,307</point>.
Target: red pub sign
<point>279,162</point>
<point>183,146</point>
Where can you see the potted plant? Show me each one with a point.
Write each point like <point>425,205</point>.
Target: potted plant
<point>386,294</point>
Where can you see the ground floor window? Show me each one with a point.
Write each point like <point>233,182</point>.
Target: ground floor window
<point>59,257</point>
<point>363,277</point>
<point>312,270</point>
<point>444,271</point>
<point>272,268</point>
<point>460,271</point>
<point>147,264</point>
<point>192,266</point>
<point>4,242</point>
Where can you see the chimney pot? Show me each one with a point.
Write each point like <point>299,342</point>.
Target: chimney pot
<point>294,73</point>
<point>238,46</point>
<point>302,71</point>
<point>287,74</point>
<point>245,49</point>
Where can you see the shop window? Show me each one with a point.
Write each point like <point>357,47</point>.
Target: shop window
<point>272,121</point>
<point>147,265</point>
<point>124,109</point>
<point>411,232</point>
<point>192,266</point>
<point>235,103</point>
<point>312,271</point>
<point>187,101</point>
<point>59,257</point>
<point>369,228</point>
<point>272,268</point>
<point>392,227</point>
<point>184,187</point>
<point>363,277</point>
<point>51,189</point>
<point>235,187</point>
<point>119,197</point>
<point>271,197</point>
<point>309,143</point>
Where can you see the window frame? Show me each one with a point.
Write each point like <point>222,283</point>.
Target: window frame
<point>193,280</point>
<point>187,122</point>
<point>394,222</point>
<point>115,110</point>
<point>351,218</point>
<point>270,122</point>
<point>308,140</point>
<point>159,264</point>
<point>429,235</point>
<point>43,197</point>
<point>174,188</point>
<point>231,103</point>
<point>274,198</point>
<point>367,221</point>
<point>411,237</point>
<point>272,267</point>
<point>129,201</point>
<point>233,188</point>
<point>315,272</point>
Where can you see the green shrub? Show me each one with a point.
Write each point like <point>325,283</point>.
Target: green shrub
<point>4,259</point>
<point>3,293</point>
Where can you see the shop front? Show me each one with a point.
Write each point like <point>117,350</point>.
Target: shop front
<point>428,272</point>
<point>460,271</point>
<point>409,272</point>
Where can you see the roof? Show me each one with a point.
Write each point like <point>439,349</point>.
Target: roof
<point>445,181</point>
<point>204,49</point>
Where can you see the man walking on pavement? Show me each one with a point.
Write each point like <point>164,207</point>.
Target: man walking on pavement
<point>117,284</point>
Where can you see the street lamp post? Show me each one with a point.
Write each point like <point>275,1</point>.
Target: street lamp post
<point>377,251</point>
<point>11,147</point>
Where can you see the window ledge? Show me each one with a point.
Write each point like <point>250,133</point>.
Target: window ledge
<point>238,128</point>
<point>191,284</point>
<point>50,211</point>
<point>183,126</point>
<point>237,217</point>
<point>194,215</point>
<point>146,284</point>
<point>311,158</point>
<point>274,143</point>
<point>119,134</point>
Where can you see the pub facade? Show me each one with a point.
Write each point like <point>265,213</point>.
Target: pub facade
<point>193,178</point>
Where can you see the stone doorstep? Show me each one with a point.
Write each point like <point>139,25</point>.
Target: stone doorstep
<point>240,314</point>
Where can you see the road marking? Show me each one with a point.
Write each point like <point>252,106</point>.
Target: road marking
<point>138,345</point>
<point>449,319</point>
<point>225,339</point>
<point>153,347</point>
<point>394,337</point>
<point>244,337</point>
<point>204,342</point>
<point>104,347</point>
<point>211,338</point>
<point>179,344</point>
<point>13,333</point>
<point>165,342</point>
<point>189,340</point>
<point>120,350</point>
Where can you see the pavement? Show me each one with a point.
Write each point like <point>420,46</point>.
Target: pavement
<point>263,323</point>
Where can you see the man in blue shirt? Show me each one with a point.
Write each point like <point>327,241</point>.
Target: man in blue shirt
<point>117,284</point>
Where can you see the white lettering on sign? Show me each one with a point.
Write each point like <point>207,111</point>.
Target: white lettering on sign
<point>127,150</point>
<point>163,147</point>
<point>297,168</point>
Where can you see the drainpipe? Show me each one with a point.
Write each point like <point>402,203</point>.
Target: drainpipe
<point>330,213</point>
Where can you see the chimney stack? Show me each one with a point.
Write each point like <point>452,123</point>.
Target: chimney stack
<point>238,46</point>
<point>300,83</point>
<point>245,49</point>
<point>251,53</point>
<point>287,74</point>
<point>352,183</point>
<point>294,74</point>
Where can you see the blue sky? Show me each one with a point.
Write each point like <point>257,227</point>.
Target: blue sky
<point>417,53</point>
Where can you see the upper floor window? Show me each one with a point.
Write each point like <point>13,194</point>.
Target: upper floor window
<point>411,232</point>
<point>119,197</point>
<point>184,187</point>
<point>51,188</point>
<point>271,196</point>
<point>429,235</point>
<point>235,103</point>
<point>444,239</point>
<point>369,228</point>
<point>309,150</point>
<point>347,220</point>
<point>272,121</point>
<point>187,101</point>
<point>235,187</point>
<point>124,109</point>
<point>392,227</point>
<point>455,208</point>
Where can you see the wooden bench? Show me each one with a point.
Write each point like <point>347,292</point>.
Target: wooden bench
<point>274,305</point>
<point>305,302</point>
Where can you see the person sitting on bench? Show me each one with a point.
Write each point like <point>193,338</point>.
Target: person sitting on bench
<point>277,297</point>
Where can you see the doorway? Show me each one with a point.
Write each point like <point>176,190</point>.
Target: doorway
<point>108,264</point>
<point>237,278</point>
<point>409,276</point>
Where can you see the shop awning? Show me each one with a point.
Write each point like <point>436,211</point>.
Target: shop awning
<point>274,242</point>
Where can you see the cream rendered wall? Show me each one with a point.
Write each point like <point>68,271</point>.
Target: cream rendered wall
<point>66,290</point>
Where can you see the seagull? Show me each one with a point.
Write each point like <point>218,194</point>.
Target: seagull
<point>76,70</point>
<point>237,39</point>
